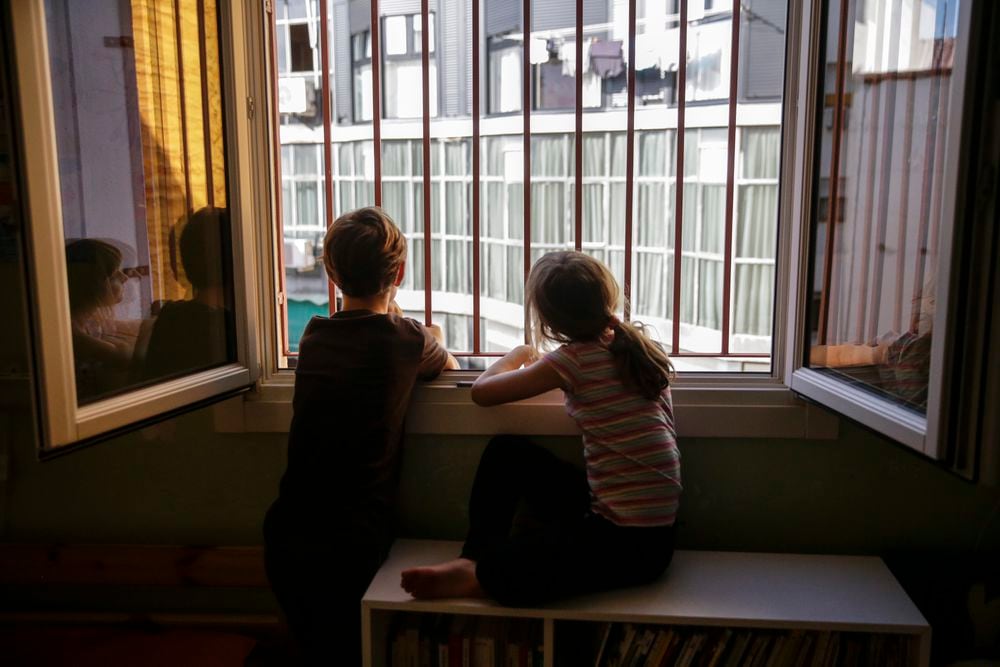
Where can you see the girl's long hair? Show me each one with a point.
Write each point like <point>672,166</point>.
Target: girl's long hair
<point>572,297</point>
<point>89,265</point>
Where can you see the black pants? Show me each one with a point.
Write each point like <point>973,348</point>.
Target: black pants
<point>319,588</point>
<point>570,550</point>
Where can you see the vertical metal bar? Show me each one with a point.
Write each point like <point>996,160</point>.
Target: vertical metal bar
<point>376,101</point>
<point>904,205</point>
<point>205,126</point>
<point>629,159</point>
<point>861,295</point>
<point>526,146</point>
<point>183,106</point>
<point>891,80</point>
<point>578,236</point>
<point>476,196</point>
<point>942,129</point>
<point>734,76</point>
<point>324,51</point>
<point>679,174</point>
<point>832,205</point>
<point>426,102</point>
<point>925,198</point>
<point>279,210</point>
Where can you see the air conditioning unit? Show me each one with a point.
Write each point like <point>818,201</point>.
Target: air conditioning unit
<point>300,254</point>
<point>292,95</point>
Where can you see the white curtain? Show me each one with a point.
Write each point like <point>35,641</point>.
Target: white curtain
<point>459,278</point>
<point>756,237</point>
<point>650,286</point>
<point>394,201</point>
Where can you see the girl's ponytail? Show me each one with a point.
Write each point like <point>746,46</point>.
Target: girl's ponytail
<point>572,297</point>
<point>640,360</point>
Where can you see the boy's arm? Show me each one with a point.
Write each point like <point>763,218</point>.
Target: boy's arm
<point>506,380</point>
<point>435,358</point>
<point>452,364</point>
<point>838,356</point>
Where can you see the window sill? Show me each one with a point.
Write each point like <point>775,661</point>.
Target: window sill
<point>704,408</point>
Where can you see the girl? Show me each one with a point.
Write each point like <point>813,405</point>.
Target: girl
<point>102,344</point>
<point>610,528</point>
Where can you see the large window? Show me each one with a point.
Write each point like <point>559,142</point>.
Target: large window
<point>502,186</point>
<point>161,138</point>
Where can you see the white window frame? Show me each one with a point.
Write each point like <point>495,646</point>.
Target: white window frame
<point>63,421</point>
<point>925,434</point>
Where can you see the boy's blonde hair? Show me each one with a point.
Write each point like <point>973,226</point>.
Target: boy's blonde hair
<point>572,297</point>
<point>363,251</point>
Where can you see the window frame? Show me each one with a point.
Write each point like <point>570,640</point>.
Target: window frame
<point>64,424</point>
<point>706,404</point>
<point>925,434</point>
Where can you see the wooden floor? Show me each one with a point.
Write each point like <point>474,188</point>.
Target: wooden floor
<point>104,646</point>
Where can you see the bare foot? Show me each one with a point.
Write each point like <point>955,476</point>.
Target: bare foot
<point>454,579</point>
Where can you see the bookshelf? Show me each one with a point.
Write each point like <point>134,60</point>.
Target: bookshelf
<point>853,600</point>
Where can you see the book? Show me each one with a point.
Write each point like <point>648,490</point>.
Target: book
<point>692,647</point>
<point>439,640</point>
<point>659,649</point>
<point>487,643</point>
<point>804,649</point>
<point>640,649</point>
<point>515,645</point>
<point>460,641</point>
<point>758,644</point>
<point>610,645</point>
<point>619,644</point>
<point>602,647</point>
<point>820,647</point>
<point>773,656</point>
<point>740,643</point>
<point>717,647</point>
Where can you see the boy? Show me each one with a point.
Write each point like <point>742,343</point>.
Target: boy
<point>332,525</point>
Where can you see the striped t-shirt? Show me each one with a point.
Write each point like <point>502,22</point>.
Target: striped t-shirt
<point>629,445</point>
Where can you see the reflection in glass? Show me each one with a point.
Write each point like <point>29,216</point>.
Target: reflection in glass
<point>880,185</point>
<point>140,142</point>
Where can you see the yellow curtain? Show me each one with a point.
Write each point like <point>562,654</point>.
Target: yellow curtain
<point>180,107</point>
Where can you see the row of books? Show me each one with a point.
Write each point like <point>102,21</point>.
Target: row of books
<point>632,645</point>
<point>446,640</point>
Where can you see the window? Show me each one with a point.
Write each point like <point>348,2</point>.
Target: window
<point>361,52</point>
<point>891,232</point>
<point>132,213</point>
<point>706,286</point>
<point>401,67</point>
<point>675,187</point>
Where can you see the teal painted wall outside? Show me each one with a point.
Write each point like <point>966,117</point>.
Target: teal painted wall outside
<point>299,314</point>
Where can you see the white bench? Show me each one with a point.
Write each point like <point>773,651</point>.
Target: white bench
<point>701,588</point>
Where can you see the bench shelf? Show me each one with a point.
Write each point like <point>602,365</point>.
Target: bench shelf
<point>850,598</point>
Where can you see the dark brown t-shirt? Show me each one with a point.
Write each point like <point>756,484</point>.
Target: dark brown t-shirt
<point>355,373</point>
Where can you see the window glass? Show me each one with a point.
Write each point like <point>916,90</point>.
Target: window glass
<point>395,35</point>
<point>301,47</point>
<point>880,177</point>
<point>144,201</point>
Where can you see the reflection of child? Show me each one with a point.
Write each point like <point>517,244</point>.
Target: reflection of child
<point>195,334</point>
<point>902,361</point>
<point>102,346</point>
<point>610,527</point>
<point>331,527</point>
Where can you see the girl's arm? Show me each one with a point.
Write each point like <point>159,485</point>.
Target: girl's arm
<point>507,381</point>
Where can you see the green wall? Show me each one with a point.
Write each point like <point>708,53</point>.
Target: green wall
<point>181,483</point>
